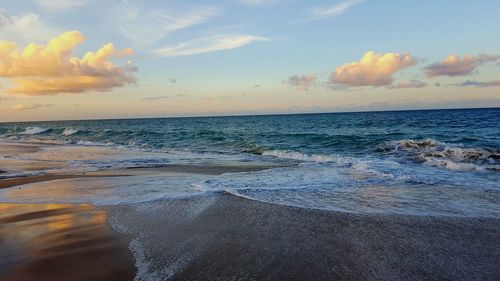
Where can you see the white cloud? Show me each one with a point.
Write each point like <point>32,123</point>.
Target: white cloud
<point>209,44</point>
<point>24,28</point>
<point>335,10</point>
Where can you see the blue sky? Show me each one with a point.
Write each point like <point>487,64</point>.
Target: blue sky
<point>182,58</point>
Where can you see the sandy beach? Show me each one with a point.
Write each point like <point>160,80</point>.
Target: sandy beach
<point>225,237</point>
<point>222,236</point>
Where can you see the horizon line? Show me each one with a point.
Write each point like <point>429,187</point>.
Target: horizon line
<point>250,115</point>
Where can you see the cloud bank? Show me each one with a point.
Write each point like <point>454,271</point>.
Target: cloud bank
<point>456,66</point>
<point>372,70</point>
<point>52,68</point>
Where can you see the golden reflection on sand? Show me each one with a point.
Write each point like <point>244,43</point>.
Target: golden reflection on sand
<point>60,242</point>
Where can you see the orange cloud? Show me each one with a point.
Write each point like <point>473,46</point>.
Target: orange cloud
<point>372,70</point>
<point>52,68</point>
<point>456,66</point>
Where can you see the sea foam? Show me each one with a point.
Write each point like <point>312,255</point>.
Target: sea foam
<point>293,155</point>
<point>34,130</point>
<point>440,154</point>
<point>69,132</point>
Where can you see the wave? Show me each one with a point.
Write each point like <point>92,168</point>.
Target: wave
<point>293,155</point>
<point>69,132</point>
<point>34,130</point>
<point>445,155</point>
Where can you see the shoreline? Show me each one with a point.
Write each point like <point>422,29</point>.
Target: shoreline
<point>223,236</point>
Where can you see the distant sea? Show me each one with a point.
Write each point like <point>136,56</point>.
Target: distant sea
<point>435,162</point>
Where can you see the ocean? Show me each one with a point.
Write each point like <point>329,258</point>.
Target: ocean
<point>426,163</point>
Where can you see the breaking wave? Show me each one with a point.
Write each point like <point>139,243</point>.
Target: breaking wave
<point>445,155</point>
<point>69,132</point>
<point>293,155</point>
<point>34,130</point>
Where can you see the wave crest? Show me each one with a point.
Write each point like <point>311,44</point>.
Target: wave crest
<point>34,130</point>
<point>69,132</point>
<point>440,154</point>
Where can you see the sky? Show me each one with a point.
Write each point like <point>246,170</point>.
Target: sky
<point>92,59</point>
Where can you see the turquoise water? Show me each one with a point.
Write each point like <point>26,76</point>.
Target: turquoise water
<point>442,162</point>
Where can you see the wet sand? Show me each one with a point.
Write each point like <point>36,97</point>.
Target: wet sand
<point>53,242</point>
<point>212,170</point>
<point>18,148</point>
<point>6,183</point>
<point>225,237</point>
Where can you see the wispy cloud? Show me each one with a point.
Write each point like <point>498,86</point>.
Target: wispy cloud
<point>478,84</point>
<point>408,84</point>
<point>137,22</point>
<point>165,97</point>
<point>335,10</point>
<point>455,65</point>
<point>208,44</point>
<point>60,5</point>
<point>24,28</point>
<point>30,106</point>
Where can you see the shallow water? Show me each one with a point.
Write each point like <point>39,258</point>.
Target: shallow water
<point>444,162</point>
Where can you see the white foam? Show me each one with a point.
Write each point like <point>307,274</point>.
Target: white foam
<point>145,270</point>
<point>453,157</point>
<point>293,155</point>
<point>92,143</point>
<point>365,169</point>
<point>69,131</point>
<point>34,130</point>
<point>452,165</point>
